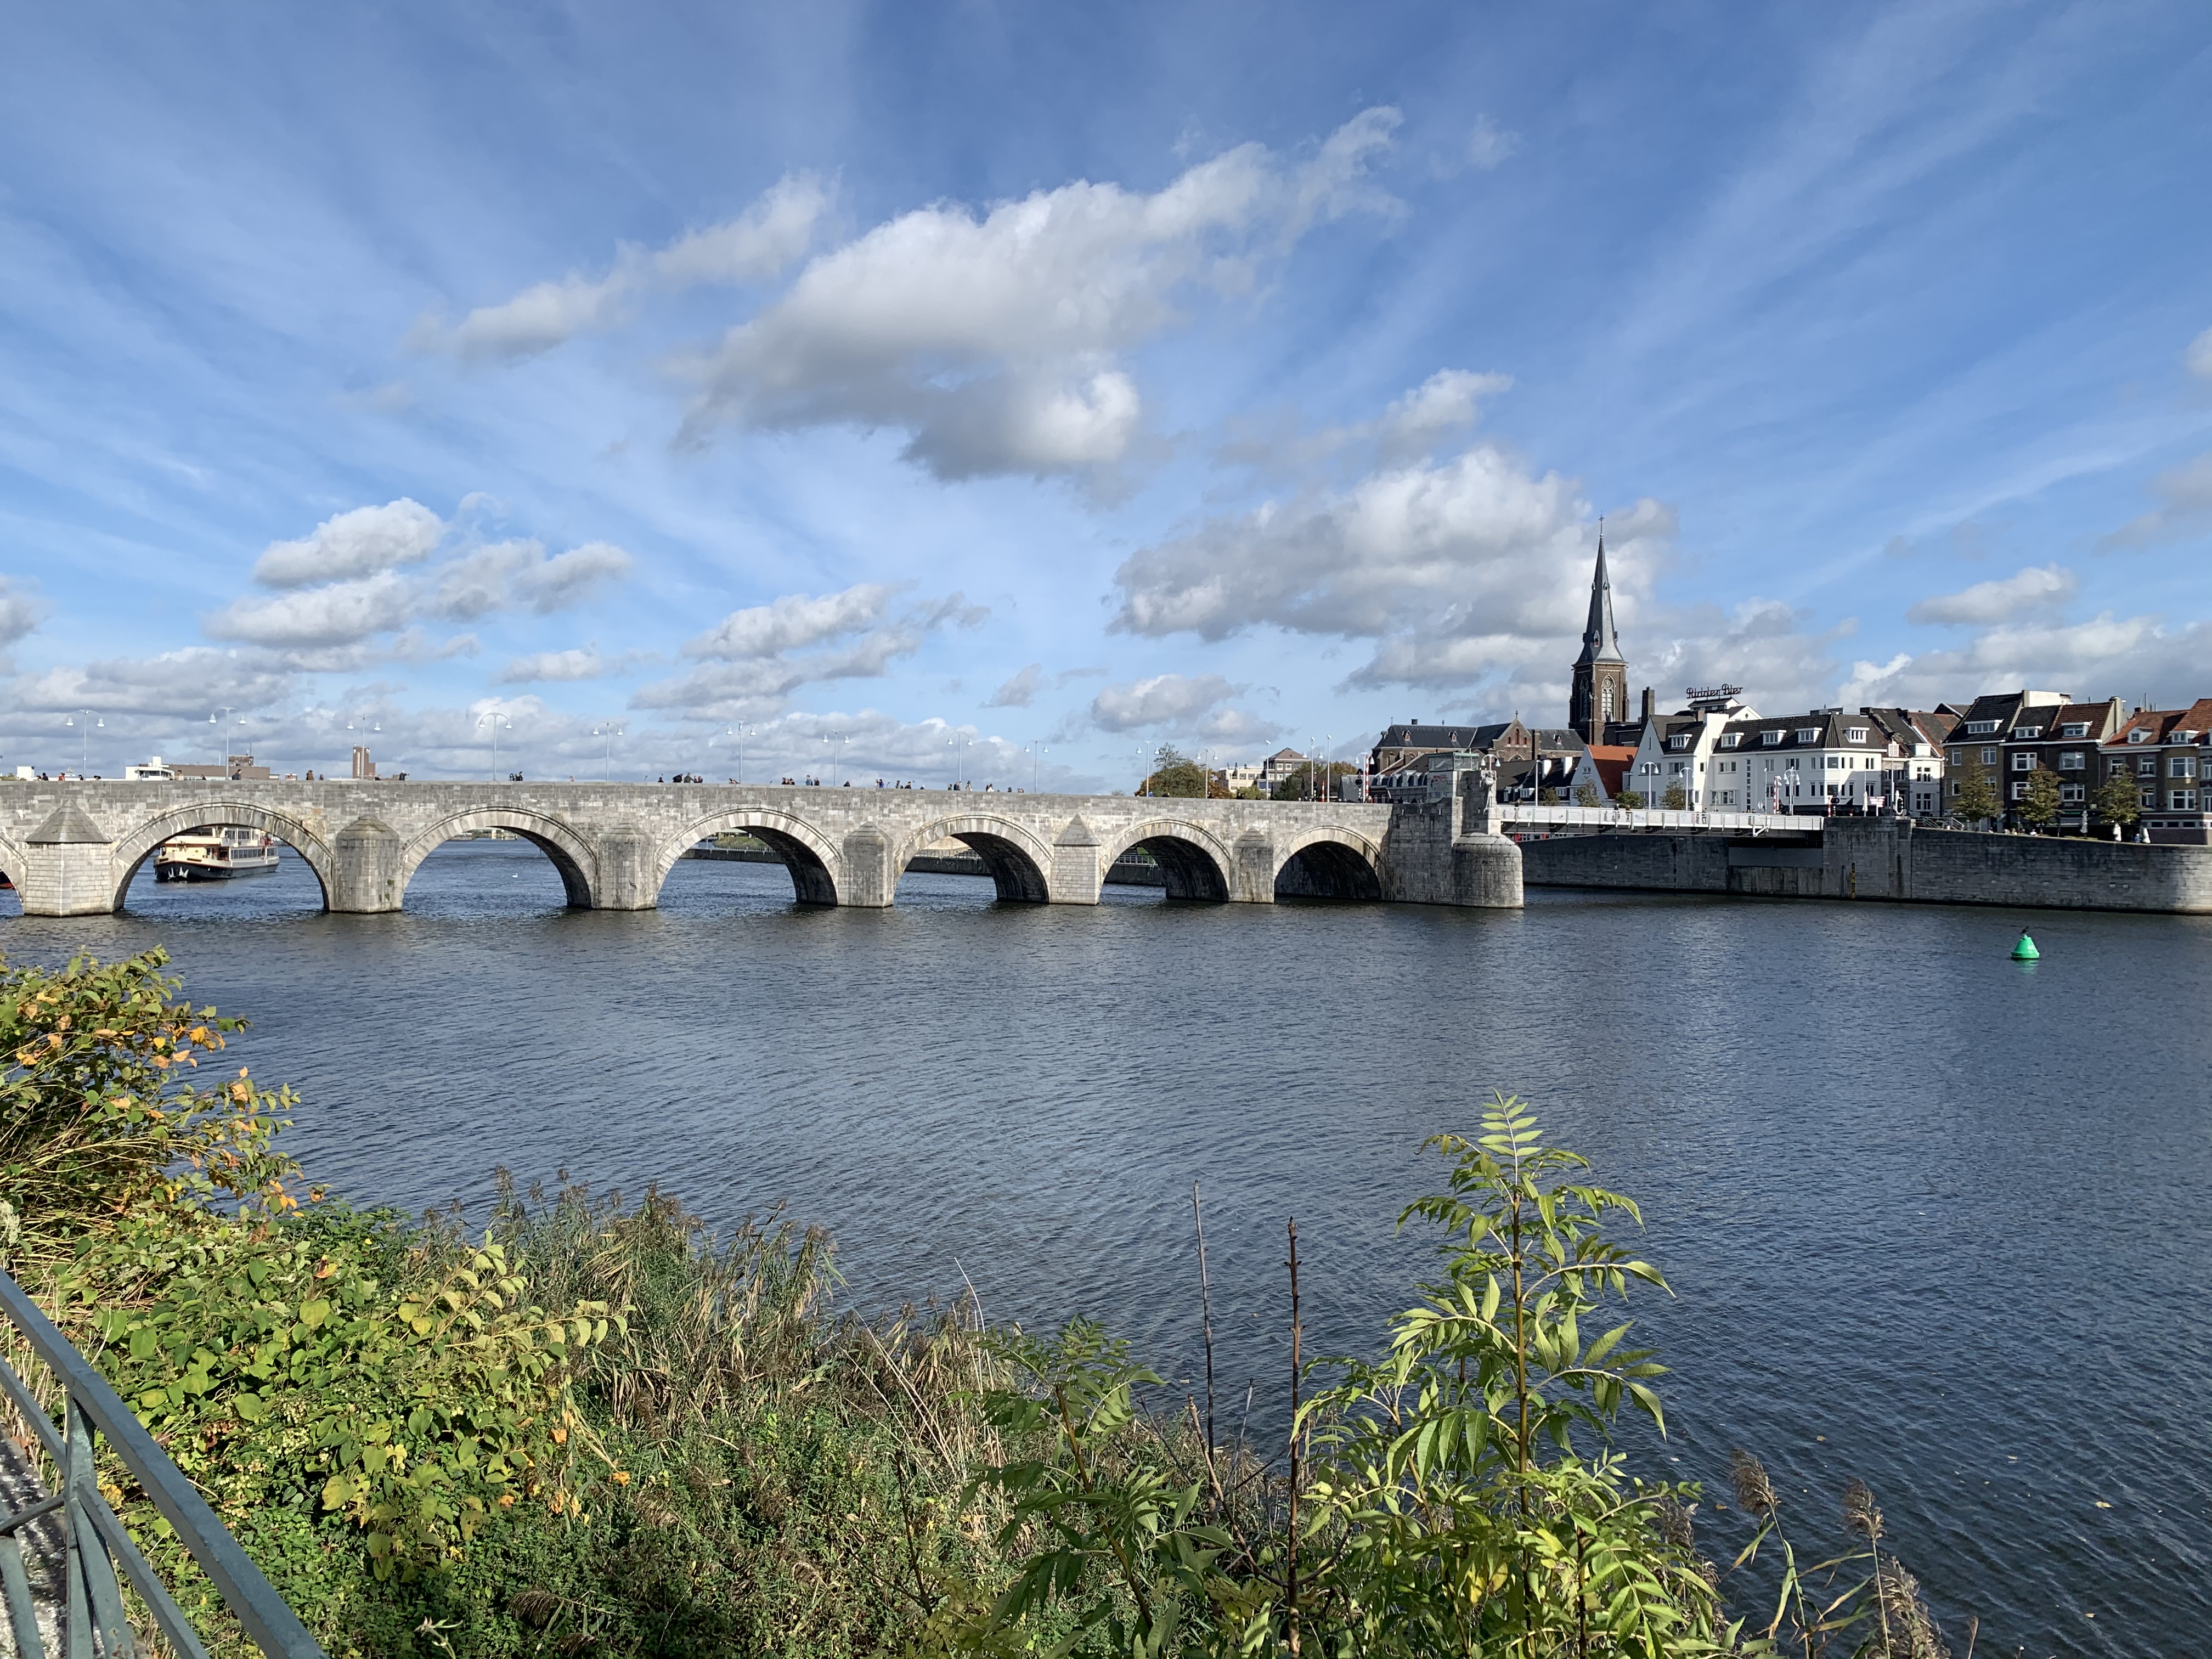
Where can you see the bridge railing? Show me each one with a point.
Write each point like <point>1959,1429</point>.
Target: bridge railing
<point>93,1543</point>
<point>1615,817</point>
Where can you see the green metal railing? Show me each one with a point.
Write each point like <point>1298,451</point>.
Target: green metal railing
<point>94,1624</point>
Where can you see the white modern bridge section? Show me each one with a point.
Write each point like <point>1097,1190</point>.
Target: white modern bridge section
<point>1618,819</point>
<point>71,849</point>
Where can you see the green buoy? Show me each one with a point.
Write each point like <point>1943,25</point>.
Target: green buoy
<point>2025,951</point>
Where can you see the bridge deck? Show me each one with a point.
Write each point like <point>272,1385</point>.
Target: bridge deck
<point>1614,818</point>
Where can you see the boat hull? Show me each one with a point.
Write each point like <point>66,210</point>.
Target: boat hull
<point>182,871</point>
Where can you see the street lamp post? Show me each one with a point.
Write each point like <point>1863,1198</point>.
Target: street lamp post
<point>83,740</point>
<point>610,730</point>
<point>497,720</point>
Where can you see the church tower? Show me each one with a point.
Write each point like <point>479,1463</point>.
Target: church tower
<point>1600,697</point>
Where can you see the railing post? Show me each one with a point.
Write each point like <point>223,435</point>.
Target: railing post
<point>93,1541</point>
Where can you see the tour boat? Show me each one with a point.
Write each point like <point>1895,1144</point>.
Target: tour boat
<point>218,854</point>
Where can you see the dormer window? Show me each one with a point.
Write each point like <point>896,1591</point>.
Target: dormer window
<point>2024,733</point>
<point>1979,728</point>
<point>2075,729</point>
<point>1770,738</point>
<point>1682,740</point>
<point>1809,734</point>
<point>2139,735</point>
<point>1730,739</point>
<point>1855,734</point>
<point>2182,737</point>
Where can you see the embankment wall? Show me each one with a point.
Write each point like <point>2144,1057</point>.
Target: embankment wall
<point>1881,859</point>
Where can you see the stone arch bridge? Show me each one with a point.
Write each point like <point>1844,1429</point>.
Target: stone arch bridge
<point>72,848</point>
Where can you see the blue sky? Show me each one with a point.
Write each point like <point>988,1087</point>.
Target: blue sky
<point>1019,387</point>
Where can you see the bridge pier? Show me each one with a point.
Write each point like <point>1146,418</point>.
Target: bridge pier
<point>67,862</point>
<point>368,878</point>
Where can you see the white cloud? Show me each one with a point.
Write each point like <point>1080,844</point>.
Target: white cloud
<point>2187,492</point>
<point>1019,692</point>
<point>994,341</point>
<point>1447,400</point>
<point>582,663</point>
<point>199,679</point>
<point>518,575</point>
<point>21,611</point>
<point>515,575</point>
<point>757,245</point>
<point>2106,656</point>
<point>359,543</point>
<point>747,670</point>
<point>1188,705</point>
<point>1759,644</point>
<point>792,622</point>
<point>1489,145</point>
<point>2033,588</point>
<point>2199,356</point>
<point>1462,570</point>
<point>334,614</point>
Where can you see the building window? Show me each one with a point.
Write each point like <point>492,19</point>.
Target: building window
<point>1857,734</point>
<point>1989,757</point>
<point>2072,792</point>
<point>2147,767</point>
<point>1730,739</point>
<point>1809,734</point>
<point>2019,791</point>
<point>2026,733</point>
<point>2150,799</point>
<point>2078,729</point>
<point>2023,762</point>
<point>2072,761</point>
<point>1770,737</point>
<point>1976,728</point>
<point>1605,700</point>
<point>1956,756</point>
<point>2181,800</point>
<point>2181,766</point>
<point>2139,735</point>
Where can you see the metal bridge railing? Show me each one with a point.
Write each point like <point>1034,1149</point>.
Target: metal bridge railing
<point>92,1545</point>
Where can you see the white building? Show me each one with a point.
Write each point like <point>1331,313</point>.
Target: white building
<point>1724,756</point>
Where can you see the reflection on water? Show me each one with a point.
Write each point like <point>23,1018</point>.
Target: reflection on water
<point>1908,1192</point>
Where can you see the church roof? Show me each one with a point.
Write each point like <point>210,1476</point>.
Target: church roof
<point>1599,644</point>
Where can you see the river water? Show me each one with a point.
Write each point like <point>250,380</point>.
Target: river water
<point>1932,1218</point>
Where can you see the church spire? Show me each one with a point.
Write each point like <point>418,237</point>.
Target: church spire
<point>1599,644</point>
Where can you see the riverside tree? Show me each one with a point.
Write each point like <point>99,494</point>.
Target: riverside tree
<point>2118,801</point>
<point>1974,796</point>
<point>2039,799</point>
<point>1175,773</point>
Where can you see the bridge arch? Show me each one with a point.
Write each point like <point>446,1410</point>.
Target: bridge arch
<point>566,851</point>
<point>15,864</point>
<point>816,868</point>
<point>1020,861</point>
<point>133,850</point>
<point>1194,862</point>
<point>1329,863</point>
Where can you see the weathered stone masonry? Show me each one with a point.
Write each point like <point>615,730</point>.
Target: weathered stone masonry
<point>72,848</point>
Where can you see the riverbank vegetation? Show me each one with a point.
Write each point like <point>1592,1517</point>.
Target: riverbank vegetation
<point>592,1426</point>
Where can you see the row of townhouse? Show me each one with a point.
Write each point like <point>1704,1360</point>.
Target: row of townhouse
<point>1720,754</point>
<point>2013,736</point>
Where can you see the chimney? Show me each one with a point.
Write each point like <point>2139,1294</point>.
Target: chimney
<point>1650,706</point>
